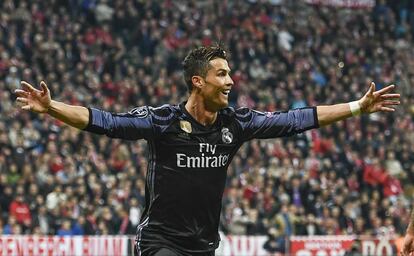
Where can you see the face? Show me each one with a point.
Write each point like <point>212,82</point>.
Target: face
<point>215,87</point>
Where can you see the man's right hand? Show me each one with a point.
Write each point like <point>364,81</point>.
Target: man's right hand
<point>33,99</point>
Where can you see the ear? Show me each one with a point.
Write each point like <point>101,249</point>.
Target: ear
<point>197,81</point>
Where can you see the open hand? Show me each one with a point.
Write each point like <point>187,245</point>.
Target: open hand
<point>382,100</point>
<point>33,99</point>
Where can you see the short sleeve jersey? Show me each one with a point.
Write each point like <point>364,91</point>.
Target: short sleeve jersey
<point>187,165</point>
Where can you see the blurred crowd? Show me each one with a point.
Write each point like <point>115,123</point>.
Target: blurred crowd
<point>353,177</point>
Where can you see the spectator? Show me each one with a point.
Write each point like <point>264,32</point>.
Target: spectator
<point>65,229</point>
<point>20,210</point>
<point>134,212</point>
<point>274,243</point>
<point>6,199</point>
<point>42,221</point>
<point>54,198</point>
<point>125,225</point>
<point>9,227</point>
<point>78,226</point>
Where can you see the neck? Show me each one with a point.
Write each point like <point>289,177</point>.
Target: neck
<point>198,110</point>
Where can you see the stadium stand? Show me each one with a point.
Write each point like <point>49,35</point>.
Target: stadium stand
<point>354,177</point>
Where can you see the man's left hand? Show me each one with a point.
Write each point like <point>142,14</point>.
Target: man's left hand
<point>382,100</point>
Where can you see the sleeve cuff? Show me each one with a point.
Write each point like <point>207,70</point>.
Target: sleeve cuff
<point>88,127</point>
<point>315,117</point>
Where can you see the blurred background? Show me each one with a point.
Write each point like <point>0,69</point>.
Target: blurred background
<point>355,177</point>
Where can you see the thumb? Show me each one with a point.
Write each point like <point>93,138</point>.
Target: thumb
<point>371,89</point>
<point>44,87</point>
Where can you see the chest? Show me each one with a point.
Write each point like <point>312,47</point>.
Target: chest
<point>189,146</point>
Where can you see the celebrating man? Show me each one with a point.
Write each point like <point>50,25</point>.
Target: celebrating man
<point>191,145</point>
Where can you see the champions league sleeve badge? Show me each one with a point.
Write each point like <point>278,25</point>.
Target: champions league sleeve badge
<point>139,112</point>
<point>226,135</point>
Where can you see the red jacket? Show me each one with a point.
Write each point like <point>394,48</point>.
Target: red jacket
<point>21,212</point>
<point>374,175</point>
<point>392,187</point>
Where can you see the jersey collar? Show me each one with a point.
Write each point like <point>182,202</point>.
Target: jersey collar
<point>194,121</point>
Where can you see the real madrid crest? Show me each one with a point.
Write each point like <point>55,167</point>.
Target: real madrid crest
<point>186,126</point>
<point>226,135</point>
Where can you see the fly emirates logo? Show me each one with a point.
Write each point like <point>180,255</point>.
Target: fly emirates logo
<point>207,159</point>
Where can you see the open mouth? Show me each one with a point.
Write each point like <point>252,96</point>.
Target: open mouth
<point>226,92</point>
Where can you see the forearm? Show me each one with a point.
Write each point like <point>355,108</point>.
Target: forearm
<point>76,116</point>
<point>333,113</point>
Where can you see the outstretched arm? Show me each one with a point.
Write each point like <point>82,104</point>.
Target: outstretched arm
<point>40,101</point>
<point>372,101</point>
<point>136,124</point>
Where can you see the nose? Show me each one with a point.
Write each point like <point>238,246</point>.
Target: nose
<point>229,81</point>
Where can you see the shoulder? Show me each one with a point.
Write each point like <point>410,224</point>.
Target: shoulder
<point>242,114</point>
<point>230,111</point>
<point>164,111</point>
<point>144,111</point>
<point>161,114</point>
<point>165,114</point>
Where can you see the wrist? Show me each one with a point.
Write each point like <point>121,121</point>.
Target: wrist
<point>49,107</point>
<point>355,107</point>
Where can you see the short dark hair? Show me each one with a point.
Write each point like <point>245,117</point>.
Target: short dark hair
<point>197,62</point>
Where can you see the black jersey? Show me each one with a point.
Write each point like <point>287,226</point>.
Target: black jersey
<point>188,163</point>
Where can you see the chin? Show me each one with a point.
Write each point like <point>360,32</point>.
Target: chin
<point>222,105</point>
<point>217,104</point>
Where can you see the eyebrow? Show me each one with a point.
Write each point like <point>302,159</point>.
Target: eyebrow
<point>225,70</point>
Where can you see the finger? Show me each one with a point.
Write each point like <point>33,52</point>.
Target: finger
<point>371,89</point>
<point>22,100</point>
<point>391,102</point>
<point>27,107</point>
<point>387,109</point>
<point>21,93</point>
<point>391,96</point>
<point>29,87</point>
<point>385,89</point>
<point>44,87</point>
